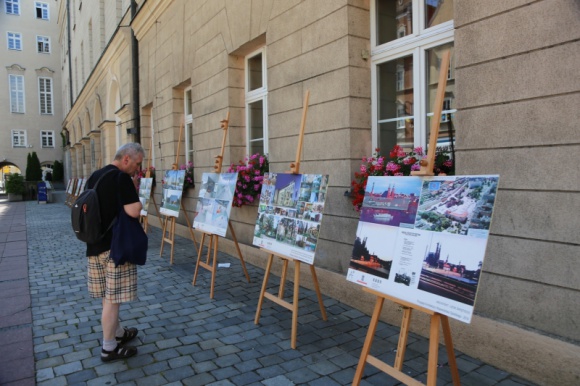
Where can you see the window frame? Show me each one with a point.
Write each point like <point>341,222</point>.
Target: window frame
<point>43,7</point>
<point>20,93</point>
<point>45,44</point>
<point>16,38</point>
<point>12,3</point>
<point>253,96</point>
<point>188,123</point>
<point>48,106</point>
<point>47,135</point>
<point>416,45</point>
<point>22,137</point>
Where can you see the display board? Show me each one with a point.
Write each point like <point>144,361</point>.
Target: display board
<point>145,186</point>
<point>289,214</point>
<point>214,202</point>
<point>423,239</point>
<point>172,192</point>
<point>69,187</point>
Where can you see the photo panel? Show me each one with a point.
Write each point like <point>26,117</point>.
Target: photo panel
<point>145,186</point>
<point>435,259</point>
<point>214,202</point>
<point>290,213</point>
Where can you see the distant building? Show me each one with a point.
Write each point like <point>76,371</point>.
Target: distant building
<point>31,111</point>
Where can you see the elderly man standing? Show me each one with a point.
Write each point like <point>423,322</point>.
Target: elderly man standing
<point>115,285</point>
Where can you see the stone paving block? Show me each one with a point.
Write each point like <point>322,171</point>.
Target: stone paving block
<point>246,379</point>
<point>153,380</point>
<point>80,376</point>
<point>59,381</point>
<point>199,379</point>
<point>178,373</point>
<point>157,367</point>
<point>280,380</point>
<point>225,373</point>
<point>68,368</point>
<point>129,375</point>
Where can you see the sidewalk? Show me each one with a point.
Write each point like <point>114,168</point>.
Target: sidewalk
<point>185,337</point>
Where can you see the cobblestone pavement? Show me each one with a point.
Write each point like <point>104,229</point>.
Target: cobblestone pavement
<point>187,338</point>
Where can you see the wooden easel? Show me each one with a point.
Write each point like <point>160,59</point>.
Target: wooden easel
<point>279,299</point>
<point>213,238</point>
<point>436,318</point>
<point>168,227</point>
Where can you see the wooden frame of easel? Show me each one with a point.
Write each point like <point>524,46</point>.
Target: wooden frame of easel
<point>168,227</point>
<point>213,238</point>
<point>436,318</point>
<point>279,299</point>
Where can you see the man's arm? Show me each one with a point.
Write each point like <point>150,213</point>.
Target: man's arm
<point>134,209</point>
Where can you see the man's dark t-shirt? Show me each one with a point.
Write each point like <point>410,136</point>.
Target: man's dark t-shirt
<point>112,187</point>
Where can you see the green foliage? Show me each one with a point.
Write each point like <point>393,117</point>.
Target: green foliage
<point>33,169</point>
<point>57,171</point>
<point>15,184</point>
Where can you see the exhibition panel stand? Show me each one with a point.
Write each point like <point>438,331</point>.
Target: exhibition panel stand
<point>396,371</point>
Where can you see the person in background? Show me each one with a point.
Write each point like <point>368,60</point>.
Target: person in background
<point>115,285</point>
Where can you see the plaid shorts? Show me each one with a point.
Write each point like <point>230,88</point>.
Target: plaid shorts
<point>117,285</point>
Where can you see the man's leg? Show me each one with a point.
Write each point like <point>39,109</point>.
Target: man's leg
<point>110,319</point>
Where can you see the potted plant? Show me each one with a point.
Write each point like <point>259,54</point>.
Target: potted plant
<point>15,187</point>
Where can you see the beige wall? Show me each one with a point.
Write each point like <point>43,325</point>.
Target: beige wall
<point>517,114</point>
<point>32,65</point>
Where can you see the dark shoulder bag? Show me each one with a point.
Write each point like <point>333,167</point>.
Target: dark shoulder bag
<point>129,242</point>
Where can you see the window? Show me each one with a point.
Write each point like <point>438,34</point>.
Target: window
<point>256,103</point>
<point>18,138</point>
<point>16,93</point>
<point>47,138</point>
<point>187,108</point>
<point>41,10</point>
<point>45,95</point>
<point>43,44</point>
<point>12,7</point>
<point>408,40</point>
<point>14,41</point>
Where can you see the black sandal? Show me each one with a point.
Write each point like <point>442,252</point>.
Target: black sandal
<point>129,334</point>
<point>120,352</point>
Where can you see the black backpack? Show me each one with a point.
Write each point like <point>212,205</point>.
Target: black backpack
<point>86,215</point>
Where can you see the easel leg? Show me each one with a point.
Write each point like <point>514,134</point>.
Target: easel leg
<point>433,350</point>
<point>189,225</point>
<point>239,251</point>
<point>163,229</point>
<point>172,239</point>
<point>450,352</point>
<point>403,337</point>
<point>283,278</point>
<point>295,303</point>
<point>213,238</point>
<point>318,294</point>
<point>263,291</point>
<point>368,341</point>
<point>198,258</point>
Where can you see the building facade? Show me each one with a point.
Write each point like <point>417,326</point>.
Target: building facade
<point>166,73</point>
<point>31,112</point>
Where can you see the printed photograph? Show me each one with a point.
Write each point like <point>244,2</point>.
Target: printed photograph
<point>373,249</point>
<point>457,205</point>
<point>391,201</point>
<point>452,266</point>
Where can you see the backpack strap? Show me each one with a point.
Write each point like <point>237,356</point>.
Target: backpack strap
<point>101,177</point>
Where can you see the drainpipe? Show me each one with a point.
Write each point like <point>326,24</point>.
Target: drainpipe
<point>70,78</point>
<point>135,74</point>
